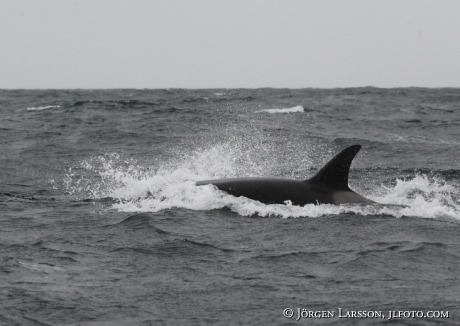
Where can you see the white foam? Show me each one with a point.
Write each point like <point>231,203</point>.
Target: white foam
<point>297,108</point>
<point>426,197</point>
<point>39,108</point>
<point>138,189</point>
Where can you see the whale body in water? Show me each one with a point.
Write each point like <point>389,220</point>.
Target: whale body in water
<point>328,186</point>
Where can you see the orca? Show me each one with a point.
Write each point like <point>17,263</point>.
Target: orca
<point>328,186</point>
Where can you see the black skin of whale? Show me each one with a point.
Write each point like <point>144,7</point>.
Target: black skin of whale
<point>328,186</point>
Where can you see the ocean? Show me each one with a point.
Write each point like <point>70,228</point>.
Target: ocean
<point>102,224</point>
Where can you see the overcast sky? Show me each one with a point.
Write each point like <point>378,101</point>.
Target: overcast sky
<point>229,44</point>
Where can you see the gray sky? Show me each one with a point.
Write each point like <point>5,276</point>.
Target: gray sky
<point>236,43</point>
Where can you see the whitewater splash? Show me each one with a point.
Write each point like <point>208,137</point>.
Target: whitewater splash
<point>137,188</point>
<point>298,108</point>
<point>39,108</point>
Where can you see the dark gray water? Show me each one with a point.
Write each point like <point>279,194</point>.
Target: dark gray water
<point>101,222</point>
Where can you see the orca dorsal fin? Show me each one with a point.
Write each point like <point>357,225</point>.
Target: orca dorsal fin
<point>335,172</point>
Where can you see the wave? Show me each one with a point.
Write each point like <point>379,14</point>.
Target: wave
<point>112,103</point>
<point>137,188</point>
<point>39,108</point>
<point>139,222</point>
<point>297,108</point>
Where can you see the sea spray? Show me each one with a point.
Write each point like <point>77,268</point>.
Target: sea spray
<point>138,188</point>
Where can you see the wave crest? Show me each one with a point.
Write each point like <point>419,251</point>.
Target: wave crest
<point>297,108</point>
